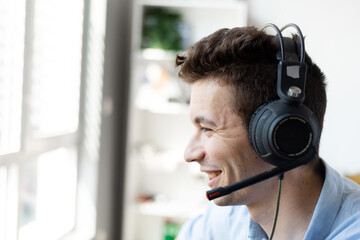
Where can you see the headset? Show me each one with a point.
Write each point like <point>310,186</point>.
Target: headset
<point>284,132</point>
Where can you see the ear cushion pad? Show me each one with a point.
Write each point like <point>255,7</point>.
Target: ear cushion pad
<point>258,128</point>
<point>280,131</point>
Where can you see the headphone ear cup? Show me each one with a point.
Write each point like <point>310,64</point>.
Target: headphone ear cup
<point>281,132</point>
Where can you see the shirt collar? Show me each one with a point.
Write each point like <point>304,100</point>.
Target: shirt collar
<point>325,212</point>
<point>256,232</point>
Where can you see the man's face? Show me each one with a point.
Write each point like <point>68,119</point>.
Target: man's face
<point>220,144</point>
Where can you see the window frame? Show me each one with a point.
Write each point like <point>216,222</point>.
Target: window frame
<point>31,147</point>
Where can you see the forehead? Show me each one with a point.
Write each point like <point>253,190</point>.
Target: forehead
<point>208,90</point>
<point>208,97</point>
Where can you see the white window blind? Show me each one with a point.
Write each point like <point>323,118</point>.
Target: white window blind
<point>41,58</point>
<point>12,30</point>
<point>55,66</point>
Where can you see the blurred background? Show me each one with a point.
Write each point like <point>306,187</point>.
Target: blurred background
<point>93,120</point>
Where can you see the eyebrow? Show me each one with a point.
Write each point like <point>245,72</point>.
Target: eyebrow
<point>203,120</point>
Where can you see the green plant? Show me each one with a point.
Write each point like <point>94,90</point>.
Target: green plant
<point>161,29</point>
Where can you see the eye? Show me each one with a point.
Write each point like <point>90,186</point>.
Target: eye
<point>204,129</point>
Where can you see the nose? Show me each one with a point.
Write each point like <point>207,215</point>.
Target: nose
<point>194,151</point>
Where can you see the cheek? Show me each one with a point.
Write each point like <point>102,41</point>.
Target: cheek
<point>241,159</point>
<point>217,147</point>
<point>230,153</point>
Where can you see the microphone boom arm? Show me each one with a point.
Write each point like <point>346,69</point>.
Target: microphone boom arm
<point>222,191</point>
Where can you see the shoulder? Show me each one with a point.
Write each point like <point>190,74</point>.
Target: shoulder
<point>217,223</point>
<point>351,196</point>
<point>346,228</point>
<point>337,213</point>
<point>347,222</point>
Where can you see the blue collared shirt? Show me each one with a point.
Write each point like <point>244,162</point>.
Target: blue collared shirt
<point>336,216</point>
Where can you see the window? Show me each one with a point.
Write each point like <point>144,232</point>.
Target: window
<point>11,66</point>
<point>49,116</point>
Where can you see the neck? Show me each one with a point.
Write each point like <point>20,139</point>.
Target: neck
<point>301,189</point>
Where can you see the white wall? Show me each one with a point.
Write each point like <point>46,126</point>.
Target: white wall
<point>333,42</point>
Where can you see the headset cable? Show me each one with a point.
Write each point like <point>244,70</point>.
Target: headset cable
<point>281,178</point>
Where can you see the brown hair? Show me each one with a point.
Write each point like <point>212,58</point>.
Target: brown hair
<point>246,59</point>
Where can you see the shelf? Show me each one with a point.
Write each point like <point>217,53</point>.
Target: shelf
<point>204,4</point>
<point>200,17</point>
<point>171,209</point>
<point>165,108</point>
<point>154,54</point>
<point>161,128</point>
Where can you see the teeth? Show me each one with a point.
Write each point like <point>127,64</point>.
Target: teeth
<point>213,174</point>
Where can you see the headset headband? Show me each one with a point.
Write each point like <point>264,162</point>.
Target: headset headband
<point>291,74</point>
<point>281,39</point>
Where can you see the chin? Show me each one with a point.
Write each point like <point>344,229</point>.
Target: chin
<point>226,201</point>
<point>235,198</point>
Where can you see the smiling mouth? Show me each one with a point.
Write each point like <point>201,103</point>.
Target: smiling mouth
<point>213,175</point>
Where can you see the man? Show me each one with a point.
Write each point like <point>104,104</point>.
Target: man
<point>232,72</point>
